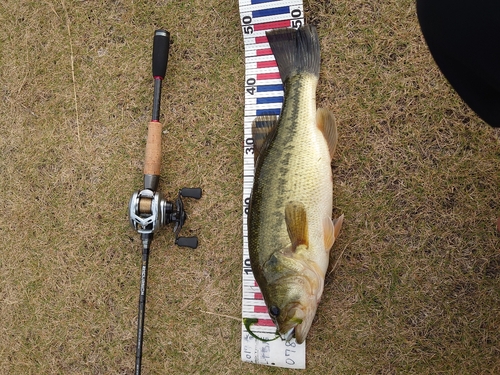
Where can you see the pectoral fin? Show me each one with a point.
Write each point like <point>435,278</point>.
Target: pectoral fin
<point>296,224</point>
<point>325,121</point>
<point>262,127</point>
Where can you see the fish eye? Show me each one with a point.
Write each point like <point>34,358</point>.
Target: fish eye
<point>274,311</point>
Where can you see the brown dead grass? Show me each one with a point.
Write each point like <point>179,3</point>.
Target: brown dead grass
<point>417,289</point>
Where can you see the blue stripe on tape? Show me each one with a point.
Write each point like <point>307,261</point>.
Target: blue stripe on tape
<point>270,12</point>
<point>267,88</point>
<point>271,99</point>
<point>262,1</point>
<point>270,111</point>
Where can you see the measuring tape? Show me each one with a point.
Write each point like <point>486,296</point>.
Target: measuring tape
<point>263,96</point>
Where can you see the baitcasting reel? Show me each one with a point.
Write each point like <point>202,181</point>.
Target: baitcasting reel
<point>149,211</point>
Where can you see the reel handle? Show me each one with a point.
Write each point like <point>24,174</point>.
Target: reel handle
<point>191,242</point>
<point>191,193</point>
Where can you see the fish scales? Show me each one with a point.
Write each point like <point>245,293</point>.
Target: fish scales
<point>289,225</point>
<point>290,167</point>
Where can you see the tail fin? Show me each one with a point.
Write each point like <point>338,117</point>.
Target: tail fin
<point>295,51</point>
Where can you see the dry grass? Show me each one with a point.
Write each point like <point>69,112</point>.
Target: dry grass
<point>417,175</point>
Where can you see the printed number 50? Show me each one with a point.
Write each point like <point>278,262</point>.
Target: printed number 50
<point>296,13</point>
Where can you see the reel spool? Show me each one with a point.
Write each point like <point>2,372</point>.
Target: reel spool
<point>149,211</point>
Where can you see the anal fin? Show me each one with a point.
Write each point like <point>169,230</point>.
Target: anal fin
<point>331,230</point>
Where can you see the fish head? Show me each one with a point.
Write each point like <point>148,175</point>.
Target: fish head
<point>292,304</point>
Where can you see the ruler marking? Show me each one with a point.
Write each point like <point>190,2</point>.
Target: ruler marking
<point>262,1</point>
<point>264,52</point>
<point>266,64</point>
<point>263,96</point>
<point>271,12</point>
<point>270,99</point>
<point>272,25</point>
<point>265,76</point>
<point>268,88</point>
<point>261,40</point>
<point>268,112</point>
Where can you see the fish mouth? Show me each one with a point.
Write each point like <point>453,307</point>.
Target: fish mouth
<point>288,335</point>
<point>295,318</point>
<point>298,324</point>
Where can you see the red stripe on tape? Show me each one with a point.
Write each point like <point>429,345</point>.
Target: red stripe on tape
<point>265,322</point>
<point>260,309</point>
<point>268,76</point>
<point>261,39</point>
<point>266,64</point>
<point>264,52</point>
<point>272,25</point>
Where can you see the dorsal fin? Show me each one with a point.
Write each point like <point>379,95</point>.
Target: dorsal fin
<point>325,121</point>
<point>296,224</point>
<point>262,126</point>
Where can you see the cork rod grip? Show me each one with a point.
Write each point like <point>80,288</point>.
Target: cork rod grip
<point>152,160</point>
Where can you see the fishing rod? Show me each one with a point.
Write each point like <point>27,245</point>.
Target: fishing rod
<point>148,210</point>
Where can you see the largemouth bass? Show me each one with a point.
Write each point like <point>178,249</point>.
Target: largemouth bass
<point>290,228</point>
